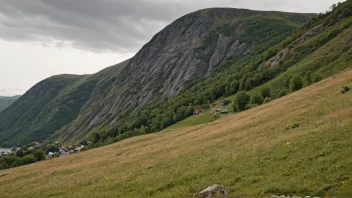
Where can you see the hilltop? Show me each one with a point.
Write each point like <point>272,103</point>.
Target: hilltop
<point>256,153</point>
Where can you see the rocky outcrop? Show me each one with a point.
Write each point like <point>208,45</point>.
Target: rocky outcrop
<point>275,61</point>
<point>213,191</point>
<point>283,196</point>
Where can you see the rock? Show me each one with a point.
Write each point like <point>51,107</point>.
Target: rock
<point>213,191</point>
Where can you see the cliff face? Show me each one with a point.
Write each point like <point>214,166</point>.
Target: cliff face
<point>188,50</point>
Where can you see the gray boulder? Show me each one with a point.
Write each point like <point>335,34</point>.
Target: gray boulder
<point>213,191</point>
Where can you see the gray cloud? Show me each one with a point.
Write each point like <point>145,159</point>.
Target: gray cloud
<point>114,25</point>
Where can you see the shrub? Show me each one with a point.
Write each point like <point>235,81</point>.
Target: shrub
<point>95,137</point>
<point>39,154</point>
<point>296,82</point>
<point>281,93</point>
<point>295,125</point>
<point>267,100</point>
<point>28,159</point>
<point>266,92</point>
<point>345,89</point>
<point>20,153</point>
<point>308,78</point>
<point>256,98</point>
<point>250,106</point>
<point>241,100</point>
<point>317,77</point>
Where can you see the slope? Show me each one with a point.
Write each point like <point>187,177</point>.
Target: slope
<point>7,101</point>
<point>49,106</point>
<point>255,153</point>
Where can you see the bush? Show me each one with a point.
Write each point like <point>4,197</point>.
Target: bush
<point>20,153</point>
<point>266,92</point>
<point>308,78</point>
<point>250,106</point>
<point>317,77</point>
<point>281,93</point>
<point>267,100</point>
<point>51,148</point>
<point>95,137</point>
<point>28,159</point>
<point>39,154</point>
<point>296,82</point>
<point>256,98</point>
<point>241,100</point>
<point>345,89</point>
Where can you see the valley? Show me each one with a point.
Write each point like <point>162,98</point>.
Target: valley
<point>259,102</point>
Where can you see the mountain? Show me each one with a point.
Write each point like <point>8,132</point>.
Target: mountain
<point>188,50</point>
<point>197,59</point>
<point>7,101</point>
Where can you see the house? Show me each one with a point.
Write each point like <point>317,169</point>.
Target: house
<point>225,102</point>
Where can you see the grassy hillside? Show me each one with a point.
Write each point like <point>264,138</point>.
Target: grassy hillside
<point>7,101</point>
<point>296,145</point>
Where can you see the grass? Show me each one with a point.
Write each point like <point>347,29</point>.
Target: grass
<point>256,153</point>
<point>194,120</point>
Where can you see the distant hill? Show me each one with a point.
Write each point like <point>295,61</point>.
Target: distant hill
<point>6,101</point>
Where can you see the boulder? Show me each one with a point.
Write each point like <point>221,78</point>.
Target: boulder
<point>213,191</point>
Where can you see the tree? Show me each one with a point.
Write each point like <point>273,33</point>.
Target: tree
<point>256,98</point>
<point>248,84</point>
<point>241,100</point>
<point>267,100</point>
<point>39,154</point>
<point>296,82</point>
<point>28,159</point>
<point>95,137</point>
<point>20,153</point>
<point>333,6</point>
<point>51,148</point>
<point>242,82</point>
<point>317,77</point>
<point>308,77</point>
<point>281,93</point>
<point>266,92</point>
<point>234,86</point>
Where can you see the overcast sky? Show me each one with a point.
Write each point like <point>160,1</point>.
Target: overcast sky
<point>41,38</point>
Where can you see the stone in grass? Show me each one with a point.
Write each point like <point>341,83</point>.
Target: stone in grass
<point>213,191</point>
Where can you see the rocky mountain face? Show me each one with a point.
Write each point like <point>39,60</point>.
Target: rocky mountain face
<point>188,50</point>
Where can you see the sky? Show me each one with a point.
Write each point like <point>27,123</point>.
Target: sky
<point>42,38</point>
